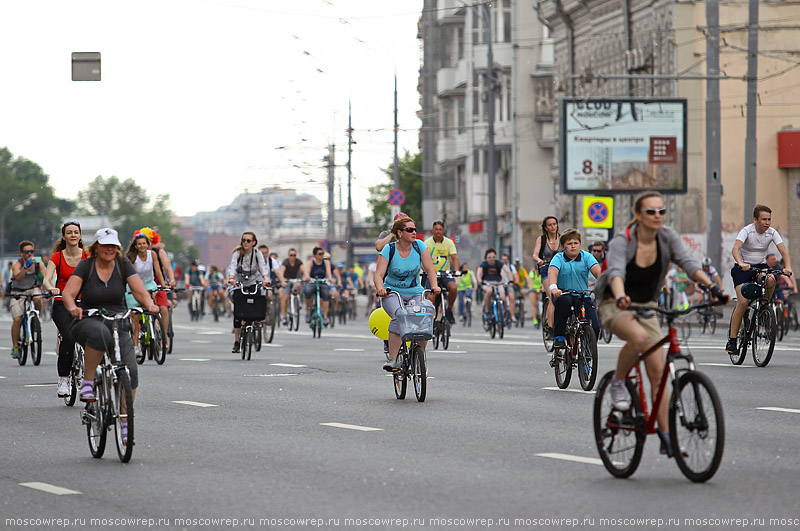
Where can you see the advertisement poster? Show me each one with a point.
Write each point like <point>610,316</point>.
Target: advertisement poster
<point>623,145</point>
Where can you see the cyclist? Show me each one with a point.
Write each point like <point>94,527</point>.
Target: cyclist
<point>318,267</point>
<point>546,247</point>
<point>466,283</point>
<point>143,259</point>
<point>570,270</point>
<point>712,273</point>
<point>194,279</point>
<point>100,280</point>
<point>66,255</point>
<point>534,283</point>
<point>512,282</point>
<point>274,267</point>
<point>491,272</point>
<point>290,268</point>
<point>248,268</point>
<point>216,286</point>
<point>445,258</point>
<point>356,277</point>
<point>748,251</point>
<point>164,263</point>
<point>638,259</point>
<point>400,263</point>
<point>24,281</point>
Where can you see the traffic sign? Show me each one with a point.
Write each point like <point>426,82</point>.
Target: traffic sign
<point>598,212</point>
<point>397,197</point>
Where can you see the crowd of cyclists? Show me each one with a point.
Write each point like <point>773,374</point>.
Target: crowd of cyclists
<point>646,264</point>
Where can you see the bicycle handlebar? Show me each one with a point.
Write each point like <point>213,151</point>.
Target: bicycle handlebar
<point>94,312</point>
<point>646,311</point>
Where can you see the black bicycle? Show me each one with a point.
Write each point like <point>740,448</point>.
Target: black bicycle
<point>249,307</point>
<point>581,349</point>
<point>416,325</point>
<point>441,326</point>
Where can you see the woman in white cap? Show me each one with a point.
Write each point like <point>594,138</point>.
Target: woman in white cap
<point>101,280</point>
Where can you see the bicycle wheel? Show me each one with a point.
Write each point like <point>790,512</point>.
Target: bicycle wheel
<point>169,331</point>
<point>501,324</point>
<point>446,335</point>
<point>779,323</point>
<point>243,343</point>
<point>765,334</point>
<point>215,309</point>
<point>619,436</point>
<point>712,323</point>
<point>793,319</point>
<point>419,372</point>
<point>562,367</point>
<point>75,376</point>
<point>157,349</point>
<point>521,315</point>
<point>94,418</point>
<point>468,313</point>
<point>547,335</point>
<point>742,340</point>
<point>492,327</point>
<point>696,426</point>
<point>607,335</point>
<point>258,334</point>
<point>702,321</point>
<point>587,358</point>
<point>296,313</point>
<point>36,341</point>
<point>250,340</point>
<point>123,413</point>
<point>22,343</point>
<point>437,333</point>
<point>269,330</point>
<point>400,380</point>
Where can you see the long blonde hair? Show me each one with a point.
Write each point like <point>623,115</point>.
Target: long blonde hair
<point>240,248</point>
<point>637,207</point>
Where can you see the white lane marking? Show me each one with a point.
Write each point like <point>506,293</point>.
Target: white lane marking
<point>209,333</point>
<point>574,458</point>
<point>200,341</point>
<point>51,489</point>
<point>457,340</point>
<point>349,426</point>
<point>271,345</point>
<point>349,349</point>
<point>1,377</point>
<point>5,348</point>
<point>727,365</point>
<point>569,390</point>
<point>274,374</point>
<point>779,409</point>
<point>449,351</point>
<point>51,354</point>
<point>194,359</point>
<point>292,365</point>
<point>39,385</point>
<point>190,403</point>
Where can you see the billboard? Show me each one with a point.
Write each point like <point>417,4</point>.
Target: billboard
<point>623,145</point>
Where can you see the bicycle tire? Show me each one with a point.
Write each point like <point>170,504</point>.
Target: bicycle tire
<point>400,381</point>
<point>170,334</point>
<point>549,343</point>
<point>702,321</point>
<point>501,326</point>
<point>699,436</point>
<point>296,313</point>
<point>467,313</point>
<point>157,340</point>
<point>419,373</point>
<point>779,325</point>
<point>243,343</point>
<point>123,400</point>
<point>793,318</point>
<point>250,340</point>
<point>712,323</point>
<point>765,335</point>
<point>607,335</point>
<point>620,457</point>
<point>75,376</point>
<point>258,336</point>
<point>562,367</point>
<point>437,332</point>
<point>94,416</point>
<point>742,340</point>
<point>587,358</point>
<point>23,344</point>
<point>446,335</point>
<point>492,327</point>
<point>215,308</point>
<point>271,333</point>
<point>36,341</point>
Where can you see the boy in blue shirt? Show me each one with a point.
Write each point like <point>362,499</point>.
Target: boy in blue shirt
<point>570,270</point>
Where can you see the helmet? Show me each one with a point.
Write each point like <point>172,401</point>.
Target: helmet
<point>340,265</point>
<point>706,261</point>
<point>752,291</point>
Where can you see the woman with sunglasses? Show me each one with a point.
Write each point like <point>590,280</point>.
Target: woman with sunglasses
<point>637,263</point>
<point>400,263</point>
<point>248,268</point>
<point>66,255</point>
<point>24,281</point>
<point>317,267</point>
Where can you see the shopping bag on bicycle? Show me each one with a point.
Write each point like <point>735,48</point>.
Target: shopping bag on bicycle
<point>416,320</point>
<point>249,307</point>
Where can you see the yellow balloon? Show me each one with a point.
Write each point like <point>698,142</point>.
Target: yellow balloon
<point>379,323</point>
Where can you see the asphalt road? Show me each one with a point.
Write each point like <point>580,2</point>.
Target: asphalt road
<point>494,445</point>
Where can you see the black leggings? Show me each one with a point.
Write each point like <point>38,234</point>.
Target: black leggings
<point>66,350</point>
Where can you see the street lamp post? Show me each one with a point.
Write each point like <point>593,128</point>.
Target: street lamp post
<point>11,207</point>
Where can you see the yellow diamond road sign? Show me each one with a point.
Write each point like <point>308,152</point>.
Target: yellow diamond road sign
<point>598,212</point>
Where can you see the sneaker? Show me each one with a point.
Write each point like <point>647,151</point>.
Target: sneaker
<point>15,353</point>
<point>63,387</point>
<point>123,428</point>
<point>325,321</point>
<point>666,446</point>
<point>619,395</point>
<point>386,350</point>
<point>235,348</point>
<point>535,321</point>
<point>449,315</point>
<point>731,346</point>
<point>284,321</point>
<point>560,342</point>
<point>392,365</point>
<point>87,391</point>
<point>308,317</point>
<point>513,318</point>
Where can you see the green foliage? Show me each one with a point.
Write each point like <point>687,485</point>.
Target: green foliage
<point>38,221</point>
<point>410,184</point>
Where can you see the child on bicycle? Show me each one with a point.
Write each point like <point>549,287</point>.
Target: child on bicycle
<point>570,269</point>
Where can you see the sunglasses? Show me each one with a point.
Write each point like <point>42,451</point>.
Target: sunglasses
<point>248,240</point>
<point>410,229</point>
<point>292,255</point>
<point>321,254</point>
<point>597,250</point>
<point>27,252</point>
<point>491,257</point>
<point>654,211</point>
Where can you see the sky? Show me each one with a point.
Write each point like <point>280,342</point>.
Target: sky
<point>204,99</point>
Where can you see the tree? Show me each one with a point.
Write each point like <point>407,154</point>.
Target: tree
<point>410,183</point>
<point>39,221</point>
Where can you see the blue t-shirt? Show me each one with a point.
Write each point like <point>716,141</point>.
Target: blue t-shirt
<point>402,274</point>
<point>573,274</point>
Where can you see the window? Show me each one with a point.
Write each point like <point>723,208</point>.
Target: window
<point>460,45</point>
<point>476,25</point>
<point>476,96</point>
<point>460,102</point>
<point>506,20</point>
<point>509,88</point>
<point>476,161</point>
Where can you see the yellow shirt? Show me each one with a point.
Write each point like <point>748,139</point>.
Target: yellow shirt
<point>440,252</point>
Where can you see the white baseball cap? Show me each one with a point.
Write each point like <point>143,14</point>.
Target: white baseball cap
<point>107,236</point>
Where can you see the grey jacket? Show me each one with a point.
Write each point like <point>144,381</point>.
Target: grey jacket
<point>622,249</point>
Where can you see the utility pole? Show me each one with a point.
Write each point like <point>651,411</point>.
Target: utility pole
<point>490,162</point>
<point>330,163</point>
<point>713,131</point>
<point>751,143</point>
<point>349,184</point>
<point>396,171</point>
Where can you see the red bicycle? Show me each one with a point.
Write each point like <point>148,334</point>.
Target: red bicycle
<point>696,423</point>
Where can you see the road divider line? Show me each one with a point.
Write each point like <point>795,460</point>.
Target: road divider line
<point>349,349</point>
<point>39,385</point>
<point>271,345</point>
<point>349,426</point>
<point>274,374</point>
<point>291,365</point>
<point>50,489</point>
<point>573,458</point>
<point>197,404</point>
<point>581,391</point>
<point>194,359</point>
<point>779,409</point>
<point>727,365</point>
<point>201,341</point>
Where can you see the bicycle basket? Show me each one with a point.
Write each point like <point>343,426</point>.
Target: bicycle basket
<point>249,307</point>
<point>752,291</point>
<point>416,321</point>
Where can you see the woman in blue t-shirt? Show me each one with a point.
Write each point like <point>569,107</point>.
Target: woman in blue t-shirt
<point>402,276</point>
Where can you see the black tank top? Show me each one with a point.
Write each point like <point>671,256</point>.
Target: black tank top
<point>317,270</point>
<point>641,282</point>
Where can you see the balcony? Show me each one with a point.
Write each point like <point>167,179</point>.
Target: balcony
<point>452,149</point>
<point>502,53</point>
<point>450,11</point>
<point>452,81</point>
<point>543,95</point>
